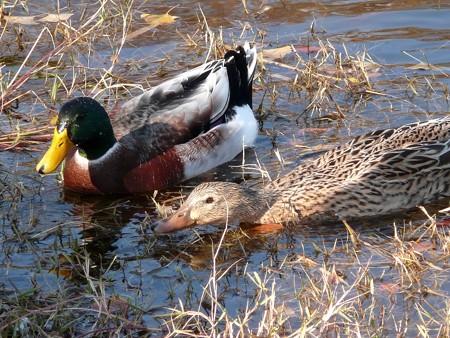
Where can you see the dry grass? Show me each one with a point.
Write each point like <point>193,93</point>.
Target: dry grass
<point>342,291</point>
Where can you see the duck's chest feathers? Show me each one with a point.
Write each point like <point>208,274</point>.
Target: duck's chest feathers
<point>121,171</point>
<point>160,172</point>
<point>76,174</point>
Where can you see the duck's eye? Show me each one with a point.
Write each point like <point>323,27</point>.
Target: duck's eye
<point>209,200</point>
<point>81,115</point>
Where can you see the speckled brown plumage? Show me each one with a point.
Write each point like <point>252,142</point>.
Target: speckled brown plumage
<point>374,174</point>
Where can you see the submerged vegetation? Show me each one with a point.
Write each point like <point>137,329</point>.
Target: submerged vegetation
<point>78,266</point>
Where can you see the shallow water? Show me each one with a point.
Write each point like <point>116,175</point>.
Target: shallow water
<point>47,232</point>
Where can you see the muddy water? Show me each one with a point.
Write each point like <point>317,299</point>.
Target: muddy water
<point>46,231</point>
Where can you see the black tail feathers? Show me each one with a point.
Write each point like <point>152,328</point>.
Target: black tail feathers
<point>240,82</point>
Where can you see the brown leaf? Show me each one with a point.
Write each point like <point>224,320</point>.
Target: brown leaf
<point>423,66</point>
<point>262,11</point>
<point>34,20</point>
<point>389,287</point>
<point>306,261</point>
<point>64,272</point>
<point>56,17</point>
<point>23,20</point>
<point>113,304</point>
<point>154,20</point>
<point>277,53</point>
<point>420,247</point>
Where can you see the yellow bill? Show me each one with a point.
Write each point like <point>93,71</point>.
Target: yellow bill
<point>58,150</point>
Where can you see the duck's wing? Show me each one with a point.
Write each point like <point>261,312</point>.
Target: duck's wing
<point>397,179</point>
<point>192,102</point>
<point>347,159</point>
<point>401,164</point>
<point>184,102</point>
<point>405,144</point>
<point>388,139</point>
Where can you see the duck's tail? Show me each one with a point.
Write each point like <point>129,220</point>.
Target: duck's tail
<point>241,66</point>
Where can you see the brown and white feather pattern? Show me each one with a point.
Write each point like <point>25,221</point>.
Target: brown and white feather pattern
<point>374,174</point>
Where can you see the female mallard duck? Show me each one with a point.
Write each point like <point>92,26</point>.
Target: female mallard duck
<point>374,174</point>
<point>175,131</point>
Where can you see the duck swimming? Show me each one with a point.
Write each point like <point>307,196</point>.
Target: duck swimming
<point>372,175</point>
<point>175,131</point>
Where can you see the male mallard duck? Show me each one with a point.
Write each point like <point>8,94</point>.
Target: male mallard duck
<point>175,131</point>
<point>374,174</point>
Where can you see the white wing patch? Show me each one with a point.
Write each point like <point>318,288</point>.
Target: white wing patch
<point>219,145</point>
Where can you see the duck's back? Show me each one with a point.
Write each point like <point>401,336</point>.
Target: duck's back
<point>178,102</point>
<point>374,174</point>
<point>350,159</point>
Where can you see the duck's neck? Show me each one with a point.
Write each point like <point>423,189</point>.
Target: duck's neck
<point>271,206</point>
<point>253,205</point>
<point>95,150</point>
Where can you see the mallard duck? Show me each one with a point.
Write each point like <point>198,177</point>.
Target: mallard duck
<point>173,132</point>
<point>374,174</point>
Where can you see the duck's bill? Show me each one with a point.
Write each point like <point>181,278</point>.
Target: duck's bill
<point>179,220</point>
<point>60,147</point>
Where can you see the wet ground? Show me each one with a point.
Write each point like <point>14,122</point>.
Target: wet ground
<point>52,238</point>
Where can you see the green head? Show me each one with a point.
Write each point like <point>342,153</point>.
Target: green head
<point>82,122</point>
<point>88,126</point>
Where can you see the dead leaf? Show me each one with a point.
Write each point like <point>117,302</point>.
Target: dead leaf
<point>389,287</point>
<point>262,11</point>
<point>23,20</point>
<point>155,20</point>
<point>420,247</point>
<point>306,261</point>
<point>113,304</point>
<point>423,66</point>
<point>55,18</point>
<point>277,53</point>
<point>62,271</point>
<point>34,20</point>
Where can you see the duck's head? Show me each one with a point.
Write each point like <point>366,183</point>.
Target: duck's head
<point>84,123</point>
<point>213,203</point>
